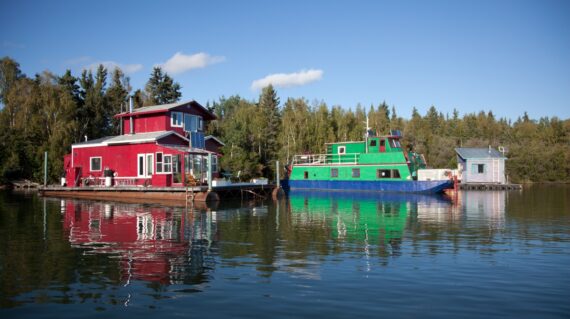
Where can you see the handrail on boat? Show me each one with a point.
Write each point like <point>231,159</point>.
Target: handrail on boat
<point>326,159</point>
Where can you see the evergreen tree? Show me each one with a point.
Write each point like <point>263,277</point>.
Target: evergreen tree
<point>161,89</point>
<point>269,126</point>
<point>117,96</point>
<point>9,73</point>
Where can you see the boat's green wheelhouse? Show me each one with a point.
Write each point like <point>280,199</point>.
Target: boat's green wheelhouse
<point>378,158</point>
<point>377,164</point>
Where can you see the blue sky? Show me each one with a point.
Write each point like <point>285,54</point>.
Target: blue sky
<point>504,56</point>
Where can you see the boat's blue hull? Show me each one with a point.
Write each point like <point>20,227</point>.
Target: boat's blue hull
<point>370,186</point>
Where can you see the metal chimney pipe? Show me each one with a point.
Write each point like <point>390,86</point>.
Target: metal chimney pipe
<point>131,117</point>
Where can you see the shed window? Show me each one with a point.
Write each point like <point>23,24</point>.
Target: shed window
<point>95,164</point>
<point>334,172</point>
<point>478,168</point>
<point>356,172</point>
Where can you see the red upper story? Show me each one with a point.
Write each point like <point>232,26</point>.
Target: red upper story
<point>187,116</point>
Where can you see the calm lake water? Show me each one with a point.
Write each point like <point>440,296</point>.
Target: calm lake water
<point>483,254</point>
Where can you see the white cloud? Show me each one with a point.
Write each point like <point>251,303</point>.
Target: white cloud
<point>111,65</point>
<point>288,79</point>
<point>180,63</point>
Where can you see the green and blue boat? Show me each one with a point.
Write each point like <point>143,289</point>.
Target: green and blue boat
<point>377,164</point>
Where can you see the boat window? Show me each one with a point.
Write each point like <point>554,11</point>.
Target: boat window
<point>334,172</point>
<point>356,172</point>
<point>383,173</point>
<point>372,142</point>
<point>342,149</point>
<point>306,175</point>
<point>395,173</point>
<point>394,143</point>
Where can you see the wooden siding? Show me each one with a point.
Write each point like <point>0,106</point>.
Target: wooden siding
<point>494,171</point>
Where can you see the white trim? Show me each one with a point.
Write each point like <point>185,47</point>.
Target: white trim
<point>161,163</point>
<point>343,148</point>
<point>172,119</point>
<point>133,141</point>
<point>91,164</point>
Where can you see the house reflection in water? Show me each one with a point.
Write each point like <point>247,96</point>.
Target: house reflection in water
<point>158,244</point>
<point>475,208</point>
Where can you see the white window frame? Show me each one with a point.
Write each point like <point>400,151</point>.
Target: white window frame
<point>91,163</point>
<point>164,163</point>
<point>156,163</point>
<point>149,166</point>
<point>176,117</point>
<point>342,149</point>
<point>145,162</point>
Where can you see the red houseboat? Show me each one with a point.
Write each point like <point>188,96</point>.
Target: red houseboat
<point>160,146</point>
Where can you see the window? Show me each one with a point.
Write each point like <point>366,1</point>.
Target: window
<point>334,172</point>
<point>193,123</point>
<point>176,169</point>
<point>144,165</point>
<point>214,164</point>
<point>188,163</point>
<point>159,162</point>
<point>356,172</point>
<point>388,173</point>
<point>167,166</point>
<point>140,165</point>
<point>342,149</point>
<point>149,164</point>
<point>478,168</point>
<point>394,143</point>
<point>176,119</point>
<point>306,175</point>
<point>372,142</point>
<point>395,173</point>
<point>383,173</point>
<point>95,164</point>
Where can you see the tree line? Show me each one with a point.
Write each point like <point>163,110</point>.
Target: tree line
<point>50,112</point>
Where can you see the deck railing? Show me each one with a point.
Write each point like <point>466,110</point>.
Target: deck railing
<point>326,159</point>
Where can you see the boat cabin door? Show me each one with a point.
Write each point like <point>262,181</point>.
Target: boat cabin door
<point>382,148</point>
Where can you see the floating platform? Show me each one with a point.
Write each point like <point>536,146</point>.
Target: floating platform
<point>181,194</point>
<point>489,187</point>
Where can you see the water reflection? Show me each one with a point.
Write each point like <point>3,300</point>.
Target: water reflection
<point>159,244</point>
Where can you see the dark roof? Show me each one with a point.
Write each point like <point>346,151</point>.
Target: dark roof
<point>210,137</point>
<point>165,107</point>
<point>482,152</point>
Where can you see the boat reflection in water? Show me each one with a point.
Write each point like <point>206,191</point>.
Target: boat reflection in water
<point>158,244</point>
<point>365,219</point>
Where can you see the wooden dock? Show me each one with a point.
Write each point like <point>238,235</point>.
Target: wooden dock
<point>179,194</point>
<point>489,187</point>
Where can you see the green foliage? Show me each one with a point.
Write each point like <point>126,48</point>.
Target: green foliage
<point>49,113</point>
<point>161,89</point>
